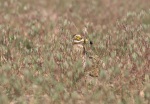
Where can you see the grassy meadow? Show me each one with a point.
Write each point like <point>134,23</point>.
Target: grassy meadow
<point>36,65</point>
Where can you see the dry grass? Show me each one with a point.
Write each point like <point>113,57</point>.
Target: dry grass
<point>35,44</point>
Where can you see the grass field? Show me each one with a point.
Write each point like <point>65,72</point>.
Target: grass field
<point>35,45</point>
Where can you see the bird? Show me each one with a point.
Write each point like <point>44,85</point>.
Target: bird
<point>81,53</point>
<point>79,48</point>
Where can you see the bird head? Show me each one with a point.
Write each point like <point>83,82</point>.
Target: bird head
<point>79,39</point>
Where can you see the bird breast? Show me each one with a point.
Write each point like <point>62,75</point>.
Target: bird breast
<point>78,48</point>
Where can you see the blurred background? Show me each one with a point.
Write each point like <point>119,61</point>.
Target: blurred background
<point>35,46</point>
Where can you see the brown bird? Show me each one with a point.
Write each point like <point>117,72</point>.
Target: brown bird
<point>80,53</point>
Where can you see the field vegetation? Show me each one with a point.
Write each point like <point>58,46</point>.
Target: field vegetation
<point>35,51</point>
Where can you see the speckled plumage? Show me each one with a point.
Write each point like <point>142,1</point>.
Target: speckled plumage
<point>80,54</point>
